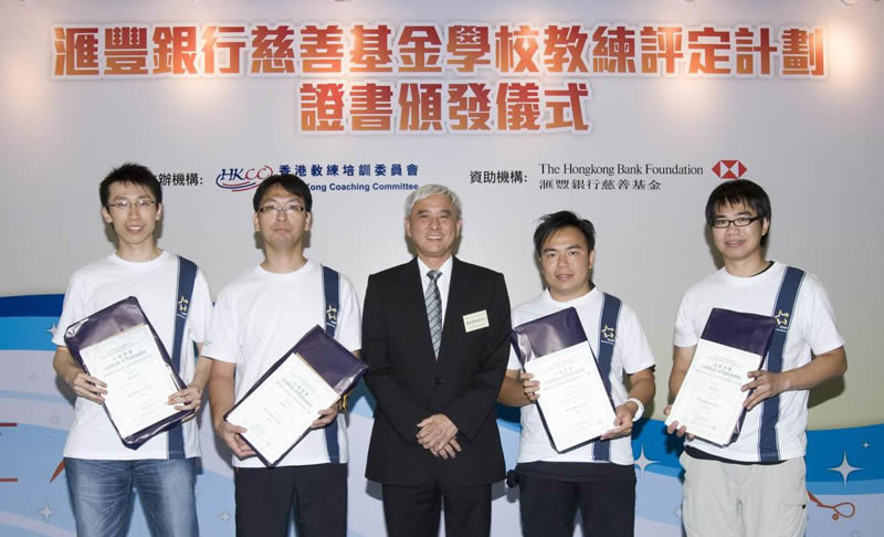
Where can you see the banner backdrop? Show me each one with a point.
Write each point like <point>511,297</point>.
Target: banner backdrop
<point>627,113</point>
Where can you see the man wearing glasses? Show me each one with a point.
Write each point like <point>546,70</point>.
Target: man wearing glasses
<point>258,317</point>
<point>100,470</point>
<point>755,484</point>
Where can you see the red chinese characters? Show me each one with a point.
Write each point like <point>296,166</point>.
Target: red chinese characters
<point>222,49</point>
<point>126,51</point>
<point>468,47</point>
<point>709,51</point>
<point>566,107</point>
<point>516,49</point>
<point>420,105</point>
<point>420,49</point>
<point>76,51</point>
<point>322,49</point>
<point>371,51</point>
<point>371,108</point>
<point>661,49</point>
<point>518,106</point>
<point>754,51</point>
<point>564,48</point>
<point>419,77</point>
<point>321,107</point>
<point>175,50</point>
<point>803,52</point>
<point>613,49</point>
<point>469,106</point>
<point>272,50</point>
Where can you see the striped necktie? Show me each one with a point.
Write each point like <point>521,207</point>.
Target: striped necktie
<point>433,301</point>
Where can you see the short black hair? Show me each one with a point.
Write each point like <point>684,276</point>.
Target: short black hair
<point>736,191</point>
<point>553,222</point>
<point>130,172</point>
<point>293,185</point>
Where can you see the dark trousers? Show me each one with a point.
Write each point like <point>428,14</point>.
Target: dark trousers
<point>548,506</point>
<point>414,511</point>
<point>266,496</point>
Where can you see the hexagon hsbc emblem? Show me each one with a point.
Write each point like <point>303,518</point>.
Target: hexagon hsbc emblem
<point>729,169</point>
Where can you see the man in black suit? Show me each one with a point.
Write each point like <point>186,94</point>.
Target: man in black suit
<point>435,375</point>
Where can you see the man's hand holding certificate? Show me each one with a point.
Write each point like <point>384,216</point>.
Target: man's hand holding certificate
<point>126,368</point>
<point>712,396</point>
<point>298,393</point>
<point>138,379</point>
<point>572,398</point>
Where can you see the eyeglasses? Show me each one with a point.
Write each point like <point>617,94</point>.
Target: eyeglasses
<point>125,205</point>
<point>743,221</point>
<point>287,209</point>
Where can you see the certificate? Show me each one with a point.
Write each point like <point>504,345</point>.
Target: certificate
<point>118,346</point>
<point>277,415</point>
<point>279,409</point>
<point>710,402</point>
<point>139,382</point>
<point>575,405</point>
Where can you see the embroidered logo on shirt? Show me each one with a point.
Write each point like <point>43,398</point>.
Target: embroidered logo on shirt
<point>183,305</point>
<point>608,334</point>
<point>331,315</point>
<point>782,318</point>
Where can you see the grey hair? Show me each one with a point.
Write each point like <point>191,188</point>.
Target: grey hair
<point>430,190</point>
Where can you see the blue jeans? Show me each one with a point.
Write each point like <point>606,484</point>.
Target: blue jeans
<point>101,495</point>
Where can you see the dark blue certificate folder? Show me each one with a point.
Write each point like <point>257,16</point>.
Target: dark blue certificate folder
<point>710,402</point>
<point>107,323</point>
<point>332,361</point>
<point>549,334</point>
<point>744,331</point>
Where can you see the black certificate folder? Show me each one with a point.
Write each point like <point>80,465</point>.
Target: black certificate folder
<point>331,361</point>
<point>547,335</point>
<point>334,363</point>
<point>576,406</point>
<point>101,328</point>
<point>745,331</point>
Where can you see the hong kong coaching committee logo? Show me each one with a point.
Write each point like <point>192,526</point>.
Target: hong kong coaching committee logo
<point>729,169</point>
<point>239,179</point>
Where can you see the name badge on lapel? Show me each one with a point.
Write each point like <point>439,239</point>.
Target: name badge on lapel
<point>475,321</point>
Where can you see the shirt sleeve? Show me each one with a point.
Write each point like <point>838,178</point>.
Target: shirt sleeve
<point>219,343</point>
<point>685,333</point>
<point>200,309</point>
<point>818,326</point>
<point>73,310</point>
<point>349,329</point>
<point>635,351</point>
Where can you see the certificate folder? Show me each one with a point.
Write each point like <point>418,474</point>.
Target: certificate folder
<point>120,347</point>
<point>744,331</point>
<point>278,410</point>
<point>575,405</point>
<point>710,401</point>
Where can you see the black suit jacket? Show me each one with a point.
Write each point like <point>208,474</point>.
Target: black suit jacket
<point>409,384</point>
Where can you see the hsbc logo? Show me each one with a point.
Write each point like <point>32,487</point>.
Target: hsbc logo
<point>729,169</point>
